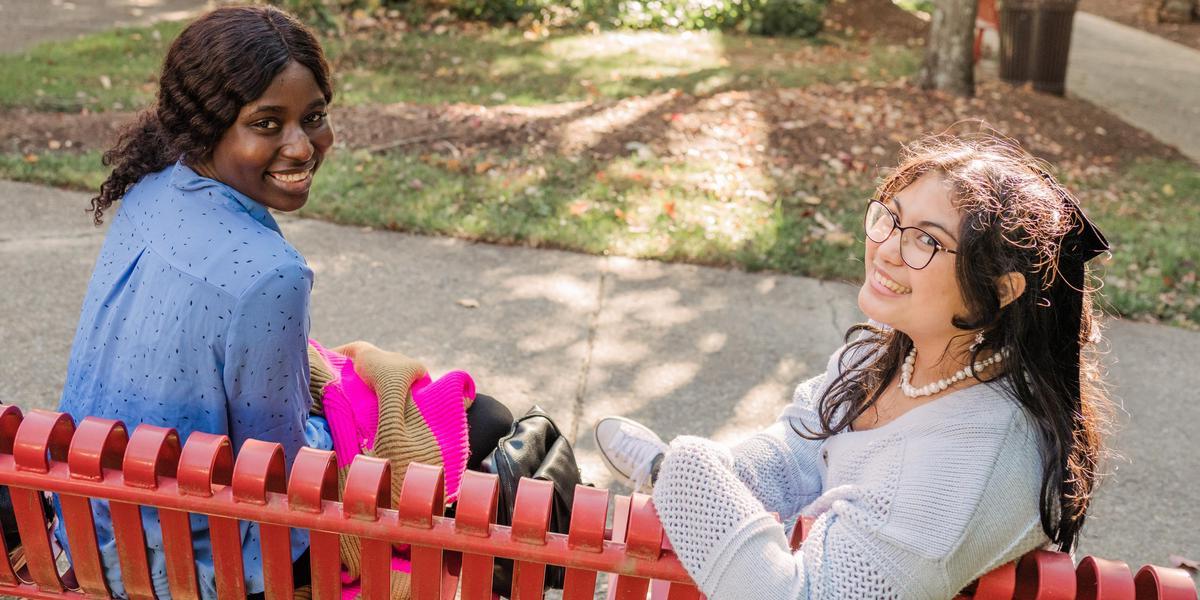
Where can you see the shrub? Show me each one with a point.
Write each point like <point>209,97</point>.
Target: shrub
<point>798,18</point>
<point>766,17</point>
<point>499,11</point>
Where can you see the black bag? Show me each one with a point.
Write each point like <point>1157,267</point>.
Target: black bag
<point>535,448</point>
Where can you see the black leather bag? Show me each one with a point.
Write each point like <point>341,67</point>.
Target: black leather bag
<point>535,448</point>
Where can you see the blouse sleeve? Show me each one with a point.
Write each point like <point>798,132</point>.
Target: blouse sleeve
<point>266,360</point>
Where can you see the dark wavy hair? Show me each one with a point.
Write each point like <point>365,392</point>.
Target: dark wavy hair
<point>1015,219</point>
<point>222,61</point>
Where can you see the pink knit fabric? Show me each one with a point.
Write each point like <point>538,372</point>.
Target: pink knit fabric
<point>350,407</point>
<point>441,405</point>
<point>352,410</point>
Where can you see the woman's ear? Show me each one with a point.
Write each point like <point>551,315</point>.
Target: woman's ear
<point>1010,286</point>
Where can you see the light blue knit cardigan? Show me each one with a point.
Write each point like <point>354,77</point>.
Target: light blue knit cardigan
<point>916,508</point>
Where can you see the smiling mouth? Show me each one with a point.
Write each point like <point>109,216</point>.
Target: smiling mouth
<point>292,177</point>
<point>883,280</point>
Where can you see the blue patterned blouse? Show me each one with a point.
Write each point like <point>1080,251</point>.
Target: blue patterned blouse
<point>196,317</point>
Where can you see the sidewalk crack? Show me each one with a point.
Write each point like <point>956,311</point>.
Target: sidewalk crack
<point>593,327</point>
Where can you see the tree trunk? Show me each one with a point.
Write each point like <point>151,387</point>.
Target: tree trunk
<point>949,63</point>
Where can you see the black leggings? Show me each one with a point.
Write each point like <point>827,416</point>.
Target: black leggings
<point>487,421</point>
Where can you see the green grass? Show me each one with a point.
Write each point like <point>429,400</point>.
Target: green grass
<point>119,69</point>
<point>1150,215</point>
<point>71,75</point>
<point>501,67</point>
<point>61,169</point>
<point>677,210</point>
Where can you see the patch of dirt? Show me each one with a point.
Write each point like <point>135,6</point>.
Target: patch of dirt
<point>27,132</point>
<point>881,20</point>
<point>859,125</point>
<point>1132,13</point>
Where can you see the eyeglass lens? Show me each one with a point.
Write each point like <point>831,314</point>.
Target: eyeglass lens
<point>916,246</point>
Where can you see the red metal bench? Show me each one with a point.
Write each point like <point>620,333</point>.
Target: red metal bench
<point>46,452</point>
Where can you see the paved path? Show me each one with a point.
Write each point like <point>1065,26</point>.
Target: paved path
<point>1150,82</point>
<point>682,348</point>
<point>27,22</point>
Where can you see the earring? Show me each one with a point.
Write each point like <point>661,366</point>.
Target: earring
<point>978,341</point>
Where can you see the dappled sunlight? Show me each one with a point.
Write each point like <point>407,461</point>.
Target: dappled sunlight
<point>658,306</point>
<point>660,50</point>
<point>763,402</point>
<point>556,287</point>
<point>585,132</point>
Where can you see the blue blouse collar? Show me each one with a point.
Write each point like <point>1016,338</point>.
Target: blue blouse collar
<point>184,178</point>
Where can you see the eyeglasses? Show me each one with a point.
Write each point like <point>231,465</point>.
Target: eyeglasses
<point>916,246</point>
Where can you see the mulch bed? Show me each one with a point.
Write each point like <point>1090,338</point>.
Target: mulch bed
<point>1131,13</point>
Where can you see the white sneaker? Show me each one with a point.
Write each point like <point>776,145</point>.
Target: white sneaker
<point>630,450</point>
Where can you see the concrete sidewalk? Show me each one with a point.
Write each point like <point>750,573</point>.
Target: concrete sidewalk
<point>1149,82</point>
<point>684,349</point>
<point>24,23</point>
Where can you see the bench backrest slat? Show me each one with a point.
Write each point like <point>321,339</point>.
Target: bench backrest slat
<point>98,461</point>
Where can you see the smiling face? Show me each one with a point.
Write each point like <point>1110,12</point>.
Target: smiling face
<point>919,302</point>
<point>277,143</point>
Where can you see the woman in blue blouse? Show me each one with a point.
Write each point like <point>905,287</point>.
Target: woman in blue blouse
<point>196,316</point>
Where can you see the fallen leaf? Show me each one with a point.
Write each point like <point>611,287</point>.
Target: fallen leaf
<point>483,167</point>
<point>468,303</point>
<point>579,207</point>
<point>1168,189</point>
<point>31,158</point>
<point>105,82</point>
<point>669,209</point>
<point>812,200</point>
<point>1183,562</point>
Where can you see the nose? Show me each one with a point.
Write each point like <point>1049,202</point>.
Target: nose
<point>889,249</point>
<point>297,146</point>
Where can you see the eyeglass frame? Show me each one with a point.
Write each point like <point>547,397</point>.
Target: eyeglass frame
<point>896,226</point>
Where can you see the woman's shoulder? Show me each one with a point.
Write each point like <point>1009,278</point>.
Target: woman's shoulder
<point>209,232</point>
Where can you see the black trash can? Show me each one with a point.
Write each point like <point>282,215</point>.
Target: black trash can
<point>1035,41</point>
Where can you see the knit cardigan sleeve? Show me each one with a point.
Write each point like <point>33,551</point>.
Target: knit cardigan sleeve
<point>781,468</point>
<point>932,508</point>
<point>778,466</point>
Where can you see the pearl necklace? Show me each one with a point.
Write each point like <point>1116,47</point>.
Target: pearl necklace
<point>906,371</point>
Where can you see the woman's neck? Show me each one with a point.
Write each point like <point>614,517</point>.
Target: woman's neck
<point>941,357</point>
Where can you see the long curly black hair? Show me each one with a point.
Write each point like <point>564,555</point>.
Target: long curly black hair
<point>222,61</point>
<point>1016,218</point>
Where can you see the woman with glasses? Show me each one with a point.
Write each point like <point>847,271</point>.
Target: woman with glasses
<point>955,431</point>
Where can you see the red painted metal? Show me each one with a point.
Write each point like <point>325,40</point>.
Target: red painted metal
<point>312,489</point>
<point>422,496</point>
<point>98,444</point>
<point>531,520</point>
<point>368,489</point>
<point>475,516</point>
<point>98,461</point>
<point>589,512</point>
<point>42,436</point>
<point>999,584</point>
<point>1100,579</point>
<point>1043,575</point>
<point>259,470</point>
<point>1159,583</point>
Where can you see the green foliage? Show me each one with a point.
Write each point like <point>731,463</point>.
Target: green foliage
<point>500,11</point>
<point>797,18</point>
<point>765,17</point>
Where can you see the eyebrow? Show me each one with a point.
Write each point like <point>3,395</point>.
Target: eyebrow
<point>278,109</point>
<point>900,212</point>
